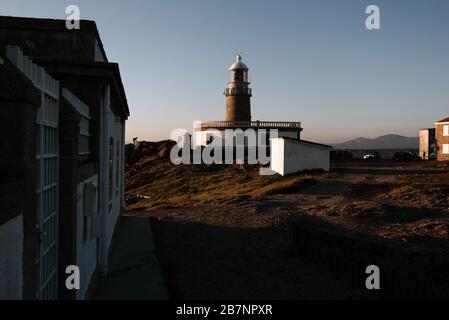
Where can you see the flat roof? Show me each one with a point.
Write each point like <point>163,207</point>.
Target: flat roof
<point>316,144</point>
<point>68,67</point>
<point>45,24</point>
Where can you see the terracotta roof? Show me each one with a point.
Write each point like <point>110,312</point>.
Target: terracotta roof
<point>444,120</point>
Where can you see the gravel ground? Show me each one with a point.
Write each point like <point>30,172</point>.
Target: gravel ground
<point>223,232</point>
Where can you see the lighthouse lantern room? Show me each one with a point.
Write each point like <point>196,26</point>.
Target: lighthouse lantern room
<point>238,93</point>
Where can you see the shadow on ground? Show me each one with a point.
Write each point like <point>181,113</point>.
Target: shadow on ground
<point>202,261</point>
<point>134,271</point>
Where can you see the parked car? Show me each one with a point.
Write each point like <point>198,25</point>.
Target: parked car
<point>406,156</point>
<point>369,156</point>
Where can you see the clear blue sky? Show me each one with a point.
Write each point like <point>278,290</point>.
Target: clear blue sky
<point>311,61</point>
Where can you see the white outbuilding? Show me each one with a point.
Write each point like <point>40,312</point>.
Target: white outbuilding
<point>292,155</point>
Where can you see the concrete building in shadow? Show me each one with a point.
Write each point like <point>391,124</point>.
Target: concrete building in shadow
<point>63,109</point>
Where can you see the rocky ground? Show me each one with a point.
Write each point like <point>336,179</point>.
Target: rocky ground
<point>224,231</point>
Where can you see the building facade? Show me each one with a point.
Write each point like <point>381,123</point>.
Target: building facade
<point>442,139</point>
<point>427,144</point>
<point>65,153</point>
<point>292,155</point>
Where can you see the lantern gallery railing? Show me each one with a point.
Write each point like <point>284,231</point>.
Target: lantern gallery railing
<point>249,124</point>
<point>237,91</point>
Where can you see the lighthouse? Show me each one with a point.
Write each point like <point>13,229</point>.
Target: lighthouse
<point>238,112</point>
<point>243,140</point>
<point>238,93</point>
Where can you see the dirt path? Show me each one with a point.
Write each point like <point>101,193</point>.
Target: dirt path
<point>206,256</point>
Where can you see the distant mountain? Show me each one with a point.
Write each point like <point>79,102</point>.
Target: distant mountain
<point>389,141</point>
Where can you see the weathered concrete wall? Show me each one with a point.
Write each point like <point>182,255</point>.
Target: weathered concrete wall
<point>18,103</point>
<point>68,165</point>
<point>426,139</point>
<point>277,156</point>
<point>48,42</point>
<point>44,38</point>
<point>114,182</point>
<point>405,271</point>
<point>86,255</point>
<point>75,248</point>
<point>111,178</point>
<point>289,156</point>
<point>11,259</point>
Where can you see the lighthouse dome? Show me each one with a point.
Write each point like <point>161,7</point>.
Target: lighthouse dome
<point>238,64</point>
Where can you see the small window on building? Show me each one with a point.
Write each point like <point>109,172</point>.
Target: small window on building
<point>446,130</point>
<point>117,170</point>
<point>445,148</point>
<point>89,207</point>
<point>111,166</point>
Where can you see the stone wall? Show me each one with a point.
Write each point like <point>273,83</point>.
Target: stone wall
<point>441,139</point>
<point>238,108</point>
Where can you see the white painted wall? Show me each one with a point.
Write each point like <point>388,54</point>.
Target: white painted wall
<point>11,259</point>
<point>86,244</point>
<point>424,143</point>
<point>201,136</point>
<point>445,148</point>
<point>110,210</point>
<point>104,156</point>
<point>277,155</point>
<point>122,169</point>
<point>288,156</point>
<point>115,130</point>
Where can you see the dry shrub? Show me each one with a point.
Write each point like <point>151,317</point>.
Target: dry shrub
<point>283,187</point>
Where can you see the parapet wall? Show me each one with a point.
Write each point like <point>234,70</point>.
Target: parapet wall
<point>405,271</point>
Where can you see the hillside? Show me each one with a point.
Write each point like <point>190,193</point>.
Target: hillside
<point>153,183</point>
<point>231,227</point>
<point>389,141</point>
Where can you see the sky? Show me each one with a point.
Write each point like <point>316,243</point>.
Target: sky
<point>312,61</point>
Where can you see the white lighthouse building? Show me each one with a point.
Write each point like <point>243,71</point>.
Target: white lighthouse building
<point>282,139</point>
<point>238,111</point>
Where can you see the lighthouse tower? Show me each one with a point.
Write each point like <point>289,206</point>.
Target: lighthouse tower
<point>238,112</point>
<point>238,93</point>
